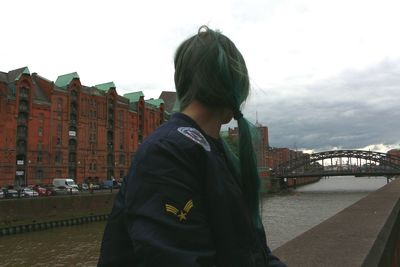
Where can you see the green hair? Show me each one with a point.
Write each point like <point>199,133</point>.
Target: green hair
<point>210,69</point>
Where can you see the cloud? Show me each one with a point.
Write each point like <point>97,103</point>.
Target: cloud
<point>353,109</point>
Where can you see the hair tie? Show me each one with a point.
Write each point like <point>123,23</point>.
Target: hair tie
<point>203,29</point>
<point>237,114</point>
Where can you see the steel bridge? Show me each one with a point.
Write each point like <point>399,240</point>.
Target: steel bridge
<point>340,163</point>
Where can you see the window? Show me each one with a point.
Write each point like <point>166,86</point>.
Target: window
<point>21,145</point>
<point>40,146</point>
<point>21,130</point>
<point>93,148</point>
<point>58,157</point>
<point>40,156</point>
<point>39,174</point>
<point>72,144</point>
<point>110,160</point>
<point>121,159</point>
<point>59,104</point>
<point>41,118</point>
<point>72,157</point>
<point>24,91</point>
<point>40,131</point>
<point>23,106</point>
<point>121,119</point>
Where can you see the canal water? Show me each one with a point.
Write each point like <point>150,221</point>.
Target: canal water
<point>285,216</point>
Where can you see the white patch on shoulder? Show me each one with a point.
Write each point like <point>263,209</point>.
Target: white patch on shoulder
<point>195,136</point>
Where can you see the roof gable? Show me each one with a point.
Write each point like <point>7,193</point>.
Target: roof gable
<point>134,97</point>
<point>64,80</point>
<point>15,75</point>
<point>105,86</point>
<point>155,102</point>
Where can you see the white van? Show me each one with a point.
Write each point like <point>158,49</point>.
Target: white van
<point>66,182</point>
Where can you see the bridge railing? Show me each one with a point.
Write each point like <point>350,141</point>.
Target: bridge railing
<point>343,172</point>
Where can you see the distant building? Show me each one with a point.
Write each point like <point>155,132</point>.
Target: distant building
<point>170,101</point>
<point>261,144</point>
<point>66,129</point>
<point>276,156</point>
<point>396,154</point>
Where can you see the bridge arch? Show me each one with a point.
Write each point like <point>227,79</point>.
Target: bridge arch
<point>383,161</point>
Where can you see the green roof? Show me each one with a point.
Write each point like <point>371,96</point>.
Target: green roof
<point>134,97</point>
<point>155,102</point>
<point>105,86</point>
<point>25,71</point>
<point>64,80</point>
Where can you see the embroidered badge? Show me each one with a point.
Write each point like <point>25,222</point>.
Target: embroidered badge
<point>195,136</point>
<point>181,214</point>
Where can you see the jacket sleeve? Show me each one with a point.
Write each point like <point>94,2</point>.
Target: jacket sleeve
<point>163,209</point>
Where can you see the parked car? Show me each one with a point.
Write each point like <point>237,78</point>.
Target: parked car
<point>84,187</point>
<point>107,184</point>
<point>10,193</point>
<point>40,190</point>
<point>2,195</point>
<point>95,186</point>
<point>65,182</point>
<point>28,192</point>
<point>50,190</point>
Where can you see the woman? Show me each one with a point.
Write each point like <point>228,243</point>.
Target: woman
<point>187,200</point>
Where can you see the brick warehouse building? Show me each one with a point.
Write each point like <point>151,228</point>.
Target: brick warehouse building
<point>65,129</point>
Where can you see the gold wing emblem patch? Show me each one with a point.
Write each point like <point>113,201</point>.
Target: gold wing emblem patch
<point>181,214</point>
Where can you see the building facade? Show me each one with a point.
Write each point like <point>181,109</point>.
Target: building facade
<point>66,129</point>
<point>395,156</point>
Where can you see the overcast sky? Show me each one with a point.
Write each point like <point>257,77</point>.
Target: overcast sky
<point>325,74</point>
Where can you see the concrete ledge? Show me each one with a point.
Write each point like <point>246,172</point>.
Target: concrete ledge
<point>364,234</point>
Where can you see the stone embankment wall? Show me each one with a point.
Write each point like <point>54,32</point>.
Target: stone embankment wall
<point>32,214</point>
<point>273,185</point>
<point>365,234</point>
<point>295,182</point>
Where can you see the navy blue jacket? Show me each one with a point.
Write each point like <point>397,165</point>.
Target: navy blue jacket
<point>181,206</point>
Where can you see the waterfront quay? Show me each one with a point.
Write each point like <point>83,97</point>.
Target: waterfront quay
<point>23,215</point>
<point>289,218</point>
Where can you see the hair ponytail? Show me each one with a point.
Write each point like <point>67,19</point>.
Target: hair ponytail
<point>249,170</point>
